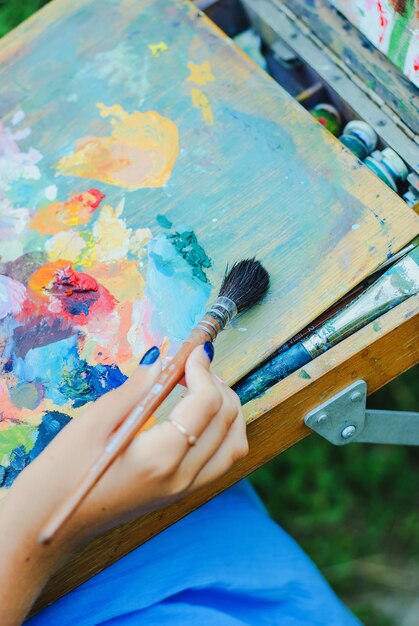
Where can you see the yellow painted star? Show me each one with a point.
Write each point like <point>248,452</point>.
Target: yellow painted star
<point>200,74</point>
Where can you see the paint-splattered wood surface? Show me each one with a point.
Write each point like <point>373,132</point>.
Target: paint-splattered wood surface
<point>377,354</point>
<point>139,153</point>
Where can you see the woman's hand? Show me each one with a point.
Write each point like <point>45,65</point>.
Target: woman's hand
<point>158,467</point>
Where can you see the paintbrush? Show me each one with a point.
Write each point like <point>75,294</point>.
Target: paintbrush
<point>393,287</point>
<point>244,285</point>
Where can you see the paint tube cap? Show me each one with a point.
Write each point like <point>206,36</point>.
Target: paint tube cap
<point>411,198</point>
<point>364,131</point>
<point>325,106</point>
<point>381,171</point>
<point>413,180</point>
<point>328,116</point>
<point>355,145</point>
<point>395,164</point>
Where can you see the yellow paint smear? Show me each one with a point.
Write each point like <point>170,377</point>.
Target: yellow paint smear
<point>157,48</point>
<point>140,151</point>
<point>200,101</point>
<point>200,74</point>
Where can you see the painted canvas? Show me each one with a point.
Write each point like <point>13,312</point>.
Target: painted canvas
<point>392,26</point>
<point>139,153</point>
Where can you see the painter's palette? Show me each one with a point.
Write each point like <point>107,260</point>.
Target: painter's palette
<point>139,153</point>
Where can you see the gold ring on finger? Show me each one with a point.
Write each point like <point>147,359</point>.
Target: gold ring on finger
<point>191,439</point>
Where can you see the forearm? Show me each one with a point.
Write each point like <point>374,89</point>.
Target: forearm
<point>25,565</point>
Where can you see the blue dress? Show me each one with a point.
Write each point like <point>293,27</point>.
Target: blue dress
<point>226,564</point>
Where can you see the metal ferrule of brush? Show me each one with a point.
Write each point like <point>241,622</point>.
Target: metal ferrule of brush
<point>396,285</point>
<point>222,311</point>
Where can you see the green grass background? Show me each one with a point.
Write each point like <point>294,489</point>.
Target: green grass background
<point>355,509</point>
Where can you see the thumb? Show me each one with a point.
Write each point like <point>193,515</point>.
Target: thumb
<point>197,375</point>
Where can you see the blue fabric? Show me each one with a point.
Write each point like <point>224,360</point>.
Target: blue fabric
<point>226,564</point>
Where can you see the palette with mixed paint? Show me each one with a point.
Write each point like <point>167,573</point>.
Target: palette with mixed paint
<point>139,153</point>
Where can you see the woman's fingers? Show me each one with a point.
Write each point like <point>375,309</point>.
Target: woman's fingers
<point>163,453</point>
<point>198,377</point>
<point>213,436</point>
<point>164,444</point>
<point>233,448</point>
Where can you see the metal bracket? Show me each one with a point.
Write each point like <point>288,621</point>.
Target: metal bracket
<point>343,418</point>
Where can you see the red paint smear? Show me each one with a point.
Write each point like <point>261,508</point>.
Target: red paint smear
<point>104,304</point>
<point>73,282</point>
<point>416,64</point>
<point>97,195</point>
<point>383,21</point>
<point>56,285</point>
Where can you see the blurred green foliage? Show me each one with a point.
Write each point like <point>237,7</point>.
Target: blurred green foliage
<point>12,12</point>
<point>348,505</point>
<point>343,505</point>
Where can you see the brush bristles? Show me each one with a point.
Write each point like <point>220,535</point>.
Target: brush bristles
<point>245,283</point>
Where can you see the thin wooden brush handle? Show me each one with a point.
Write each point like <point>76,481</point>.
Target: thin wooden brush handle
<point>121,438</point>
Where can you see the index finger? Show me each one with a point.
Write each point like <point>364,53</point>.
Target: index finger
<point>197,374</point>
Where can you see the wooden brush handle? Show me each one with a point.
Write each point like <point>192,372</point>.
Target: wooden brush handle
<point>121,438</point>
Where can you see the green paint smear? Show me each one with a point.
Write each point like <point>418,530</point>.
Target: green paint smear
<point>401,37</point>
<point>163,221</point>
<point>376,327</point>
<point>15,436</point>
<point>304,374</point>
<point>188,247</point>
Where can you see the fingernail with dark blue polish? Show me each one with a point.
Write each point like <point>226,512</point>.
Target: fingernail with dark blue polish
<point>150,356</point>
<point>209,350</point>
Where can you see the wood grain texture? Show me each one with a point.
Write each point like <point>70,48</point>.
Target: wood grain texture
<point>377,353</point>
<point>275,181</point>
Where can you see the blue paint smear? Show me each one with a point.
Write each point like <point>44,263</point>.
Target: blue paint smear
<point>88,382</point>
<point>177,298</point>
<point>163,221</point>
<point>47,364</point>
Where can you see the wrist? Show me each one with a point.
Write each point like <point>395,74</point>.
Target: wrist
<point>26,565</point>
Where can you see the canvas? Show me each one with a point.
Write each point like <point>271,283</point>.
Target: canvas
<point>392,26</point>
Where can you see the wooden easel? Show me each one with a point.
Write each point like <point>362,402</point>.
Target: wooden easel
<point>255,175</point>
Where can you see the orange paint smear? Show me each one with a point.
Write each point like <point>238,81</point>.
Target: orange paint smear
<point>121,278</point>
<point>59,216</point>
<point>107,356</point>
<point>152,421</point>
<point>140,151</point>
<point>42,277</point>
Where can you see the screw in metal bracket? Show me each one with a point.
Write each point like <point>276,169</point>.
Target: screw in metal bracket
<point>321,418</point>
<point>348,432</point>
